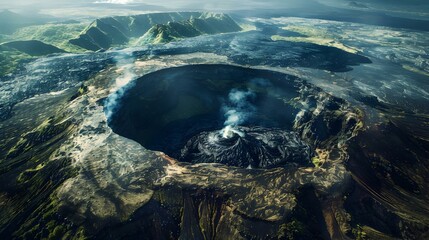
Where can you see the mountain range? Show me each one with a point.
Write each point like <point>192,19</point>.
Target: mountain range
<point>119,31</point>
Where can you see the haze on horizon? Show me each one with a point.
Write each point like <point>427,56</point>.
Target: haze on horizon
<point>406,6</point>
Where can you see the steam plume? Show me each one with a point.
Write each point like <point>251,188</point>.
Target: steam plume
<point>237,112</point>
<point>124,63</point>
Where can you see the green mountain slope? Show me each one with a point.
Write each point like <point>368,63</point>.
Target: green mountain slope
<point>33,47</point>
<point>116,31</point>
<point>205,24</point>
<point>12,53</point>
<point>56,34</point>
<point>109,32</point>
<point>9,59</point>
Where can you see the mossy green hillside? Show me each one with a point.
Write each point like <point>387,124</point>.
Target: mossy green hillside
<point>9,59</point>
<point>141,29</point>
<point>33,47</point>
<point>205,24</point>
<point>57,35</point>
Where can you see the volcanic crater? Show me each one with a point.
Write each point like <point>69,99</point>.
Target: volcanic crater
<point>215,113</point>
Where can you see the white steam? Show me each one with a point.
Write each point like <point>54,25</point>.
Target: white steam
<point>261,82</point>
<point>237,112</point>
<point>125,65</point>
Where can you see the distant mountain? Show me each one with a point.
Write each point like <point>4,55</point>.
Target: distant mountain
<point>354,15</point>
<point>107,32</point>
<point>357,5</point>
<point>11,21</point>
<point>205,24</point>
<point>33,47</point>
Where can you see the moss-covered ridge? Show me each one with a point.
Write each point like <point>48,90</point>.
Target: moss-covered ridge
<point>30,171</point>
<point>119,31</point>
<point>206,24</point>
<point>35,41</point>
<point>33,47</point>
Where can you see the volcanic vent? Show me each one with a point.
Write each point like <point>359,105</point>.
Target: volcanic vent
<point>214,113</point>
<point>247,146</point>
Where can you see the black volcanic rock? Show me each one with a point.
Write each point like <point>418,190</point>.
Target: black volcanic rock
<point>256,147</point>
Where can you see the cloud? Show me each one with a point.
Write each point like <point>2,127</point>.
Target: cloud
<point>172,4</point>
<point>116,1</point>
<point>401,8</point>
<point>225,5</point>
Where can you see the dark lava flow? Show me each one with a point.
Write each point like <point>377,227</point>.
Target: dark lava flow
<point>255,147</point>
<point>175,110</point>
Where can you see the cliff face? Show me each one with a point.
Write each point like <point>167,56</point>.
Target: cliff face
<point>106,32</point>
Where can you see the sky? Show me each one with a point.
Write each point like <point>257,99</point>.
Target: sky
<point>394,5</point>
<point>208,5</point>
<point>185,2</point>
<point>165,3</point>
